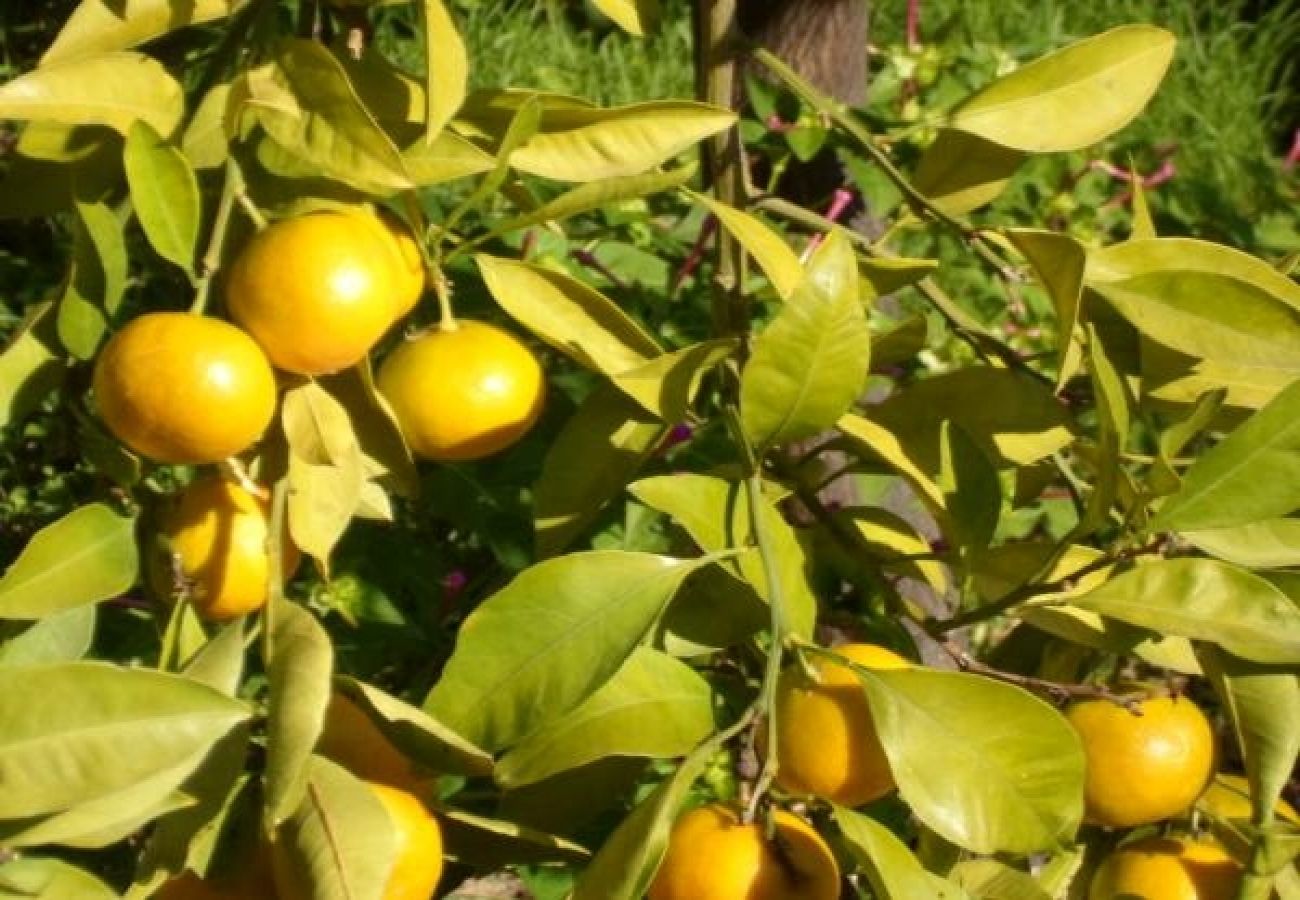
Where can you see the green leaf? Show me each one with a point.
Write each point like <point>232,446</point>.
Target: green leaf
<point>29,368</point>
<point>901,343</point>
<point>488,843</point>
<point>1016,788</point>
<point>595,195</point>
<point>204,139</point>
<point>588,144</point>
<point>76,732</point>
<point>446,69</point>
<point>307,105</point>
<point>1015,418</point>
<point>1269,544</point>
<point>626,863</point>
<point>1059,262</point>
<point>97,280</point>
<point>1207,601</point>
<point>546,641</point>
<point>1263,707</point>
<point>960,172</point>
<point>62,637</point>
<point>113,89</point>
<point>653,706</point>
<point>972,491</point>
<point>1074,97</point>
<point>102,26</point>
<point>1112,431</point>
<point>713,610</point>
<point>326,469</point>
<point>386,456</point>
<point>87,556</point>
<point>779,263</point>
<point>415,733</point>
<point>38,878</point>
<point>666,385</point>
<point>633,16</point>
<point>299,673</point>
<point>449,157</point>
<point>715,513</point>
<point>888,274</point>
<point>575,319</point>
<point>1253,474</point>
<point>811,362</point>
<point>164,193</point>
<point>989,879</point>
<point>891,869</point>
<point>599,450</point>
<point>340,843</point>
<point>883,444</point>
<point>1202,299</point>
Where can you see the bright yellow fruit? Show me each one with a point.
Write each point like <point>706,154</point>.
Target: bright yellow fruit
<point>418,868</point>
<point>410,266</point>
<point>219,531</point>
<point>463,393</point>
<point>318,290</point>
<point>1160,868</point>
<point>182,388</point>
<point>827,743</point>
<point>712,855</point>
<point>1142,768</point>
<point>354,741</point>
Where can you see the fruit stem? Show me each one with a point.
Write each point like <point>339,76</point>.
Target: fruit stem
<point>442,289</point>
<point>211,261</point>
<point>240,187</point>
<point>776,600</point>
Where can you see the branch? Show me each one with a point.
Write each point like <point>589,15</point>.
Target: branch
<point>1060,692</point>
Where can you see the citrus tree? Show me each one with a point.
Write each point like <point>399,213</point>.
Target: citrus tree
<point>785,577</point>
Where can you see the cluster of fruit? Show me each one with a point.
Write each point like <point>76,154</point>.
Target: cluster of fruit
<point>311,296</point>
<point>1143,767</point>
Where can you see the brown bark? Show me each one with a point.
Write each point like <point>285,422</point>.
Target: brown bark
<point>824,40</point>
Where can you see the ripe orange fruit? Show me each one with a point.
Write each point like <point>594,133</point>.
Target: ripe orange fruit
<point>1228,797</point>
<point>1161,868</point>
<point>827,743</point>
<point>182,388</point>
<point>410,268</point>
<point>354,741</point>
<point>219,531</point>
<point>712,855</point>
<point>463,393</point>
<point>1142,768</point>
<point>318,290</point>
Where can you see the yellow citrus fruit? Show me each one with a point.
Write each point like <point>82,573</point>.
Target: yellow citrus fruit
<point>182,388</point>
<point>354,741</point>
<point>318,290</point>
<point>1142,768</point>
<point>1228,797</point>
<point>712,855</point>
<point>1162,868</point>
<point>410,265</point>
<point>463,393</point>
<point>418,868</point>
<point>219,531</point>
<point>827,743</point>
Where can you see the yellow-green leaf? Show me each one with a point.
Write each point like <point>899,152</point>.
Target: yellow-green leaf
<point>101,26</point>
<point>447,68</point>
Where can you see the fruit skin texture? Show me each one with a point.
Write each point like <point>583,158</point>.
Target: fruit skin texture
<point>713,856</point>
<point>219,531</point>
<point>827,742</point>
<point>1160,868</point>
<point>1141,769</point>
<point>182,388</point>
<point>318,290</point>
<point>465,393</point>
<point>354,741</point>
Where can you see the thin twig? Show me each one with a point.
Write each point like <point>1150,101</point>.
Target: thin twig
<point>1060,692</point>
